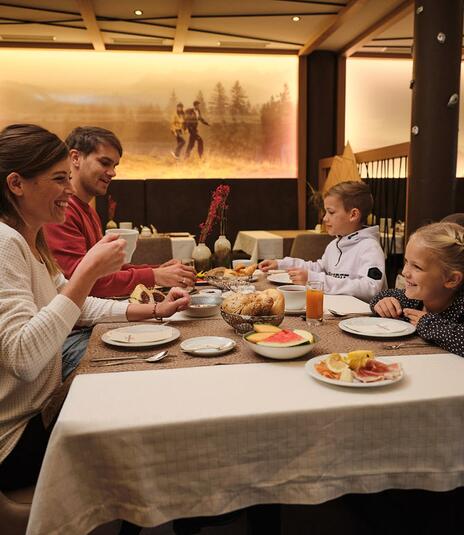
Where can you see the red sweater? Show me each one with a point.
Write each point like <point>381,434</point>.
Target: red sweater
<point>70,241</point>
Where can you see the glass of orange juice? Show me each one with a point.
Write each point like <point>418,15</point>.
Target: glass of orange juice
<point>314,302</point>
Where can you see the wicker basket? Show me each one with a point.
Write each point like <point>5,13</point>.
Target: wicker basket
<point>244,324</point>
<point>228,283</point>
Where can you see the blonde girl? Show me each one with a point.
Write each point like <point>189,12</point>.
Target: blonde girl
<point>433,299</point>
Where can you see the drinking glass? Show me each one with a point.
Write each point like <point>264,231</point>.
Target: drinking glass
<point>314,303</point>
<point>187,262</point>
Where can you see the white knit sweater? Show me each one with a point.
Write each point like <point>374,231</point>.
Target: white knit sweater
<point>34,322</point>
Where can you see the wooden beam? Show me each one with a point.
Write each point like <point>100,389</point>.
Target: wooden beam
<point>88,16</point>
<point>183,21</point>
<point>332,26</point>
<point>400,12</point>
<point>302,140</point>
<point>341,104</point>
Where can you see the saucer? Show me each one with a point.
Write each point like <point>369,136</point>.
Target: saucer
<point>295,311</point>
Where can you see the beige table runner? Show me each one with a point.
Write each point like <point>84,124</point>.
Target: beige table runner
<point>332,339</point>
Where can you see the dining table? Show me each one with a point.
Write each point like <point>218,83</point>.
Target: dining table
<point>267,244</point>
<point>195,435</point>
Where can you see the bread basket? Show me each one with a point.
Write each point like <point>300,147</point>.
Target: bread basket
<point>243,324</point>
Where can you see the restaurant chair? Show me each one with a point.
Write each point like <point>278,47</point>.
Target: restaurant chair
<point>152,251</point>
<point>15,506</point>
<point>310,246</point>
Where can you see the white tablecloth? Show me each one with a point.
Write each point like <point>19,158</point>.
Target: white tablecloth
<point>155,445</point>
<point>259,244</point>
<point>182,247</point>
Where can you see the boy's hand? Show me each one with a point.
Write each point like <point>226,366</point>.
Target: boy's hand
<point>266,265</point>
<point>388,307</point>
<point>298,276</point>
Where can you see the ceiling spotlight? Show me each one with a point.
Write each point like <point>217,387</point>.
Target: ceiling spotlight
<point>138,12</point>
<point>296,18</point>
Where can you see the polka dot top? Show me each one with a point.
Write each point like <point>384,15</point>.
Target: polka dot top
<point>445,329</point>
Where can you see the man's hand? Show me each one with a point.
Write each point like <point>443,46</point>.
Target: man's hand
<point>266,265</point>
<point>388,307</point>
<point>175,275</point>
<point>414,315</point>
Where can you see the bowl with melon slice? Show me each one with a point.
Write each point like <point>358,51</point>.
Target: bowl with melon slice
<point>280,344</point>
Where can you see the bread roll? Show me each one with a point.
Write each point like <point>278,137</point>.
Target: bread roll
<point>278,300</point>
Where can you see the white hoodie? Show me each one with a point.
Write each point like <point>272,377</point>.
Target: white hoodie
<point>351,265</point>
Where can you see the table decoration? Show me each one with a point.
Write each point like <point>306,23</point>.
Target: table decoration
<point>111,212</point>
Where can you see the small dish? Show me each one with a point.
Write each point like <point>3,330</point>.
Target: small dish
<point>203,306</point>
<point>190,345</point>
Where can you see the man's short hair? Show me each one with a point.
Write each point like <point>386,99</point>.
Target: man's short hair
<point>354,194</point>
<point>196,102</point>
<point>86,139</point>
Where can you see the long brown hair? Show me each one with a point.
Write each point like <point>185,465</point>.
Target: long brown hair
<point>28,150</point>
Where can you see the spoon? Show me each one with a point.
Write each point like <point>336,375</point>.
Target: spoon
<point>127,360</point>
<point>345,314</point>
<point>398,346</point>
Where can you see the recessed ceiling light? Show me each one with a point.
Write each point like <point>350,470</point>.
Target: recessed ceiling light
<point>296,18</point>
<point>138,12</point>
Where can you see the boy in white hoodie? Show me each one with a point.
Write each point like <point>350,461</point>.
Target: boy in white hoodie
<point>353,263</point>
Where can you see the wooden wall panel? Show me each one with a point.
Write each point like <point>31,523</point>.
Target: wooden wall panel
<point>182,204</point>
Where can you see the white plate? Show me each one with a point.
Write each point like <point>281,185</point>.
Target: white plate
<point>145,328</point>
<point>311,370</point>
<point>295,311</point>
<point>376,327</point>
<point>280,278</point>
<point>190,344</point>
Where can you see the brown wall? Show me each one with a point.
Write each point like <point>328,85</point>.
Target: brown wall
<point>182,204</point>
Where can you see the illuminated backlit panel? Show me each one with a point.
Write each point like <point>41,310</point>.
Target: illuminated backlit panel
<point>248,101</point>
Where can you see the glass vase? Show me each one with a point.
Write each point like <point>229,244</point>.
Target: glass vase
<point>222,252</point>
<point>201,255</point>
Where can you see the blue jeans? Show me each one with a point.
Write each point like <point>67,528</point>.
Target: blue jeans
<point>74,348</point>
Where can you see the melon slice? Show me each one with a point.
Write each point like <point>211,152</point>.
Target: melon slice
<point>266,328</point>
<point>284,338</point>
<point>257,337</point>
<point>305,334</point>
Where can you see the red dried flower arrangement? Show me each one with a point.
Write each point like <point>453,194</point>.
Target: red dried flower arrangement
<point>111,208</point>
<point>217,209</point>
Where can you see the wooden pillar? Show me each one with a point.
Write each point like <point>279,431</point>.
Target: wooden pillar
<point>435,118</point>
<point>302,139</point>
<point>321,137</point>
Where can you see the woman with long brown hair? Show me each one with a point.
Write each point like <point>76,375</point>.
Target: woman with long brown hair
<point>38,306</point>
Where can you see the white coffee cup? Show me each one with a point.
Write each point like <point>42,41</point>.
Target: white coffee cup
<point>130,236</point>
<point>125,224</point>
<point>294,296</point>
<point>244,262</point>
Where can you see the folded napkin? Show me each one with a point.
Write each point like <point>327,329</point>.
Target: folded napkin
<point>134,337</point>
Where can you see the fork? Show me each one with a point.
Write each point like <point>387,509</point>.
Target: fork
<point>346,314</point>
<point>207,346</point>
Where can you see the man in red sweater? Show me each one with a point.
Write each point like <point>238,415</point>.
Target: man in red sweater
<point>95,153</point>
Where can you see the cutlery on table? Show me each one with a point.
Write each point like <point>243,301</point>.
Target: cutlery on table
<point>405,344</point>
<point>346,314</point>
<point>127,360</point>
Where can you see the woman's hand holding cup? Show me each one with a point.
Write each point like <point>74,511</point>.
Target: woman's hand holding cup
<point>105,257</point>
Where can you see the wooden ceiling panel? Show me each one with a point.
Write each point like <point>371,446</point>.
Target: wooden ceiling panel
<point>244,24</point>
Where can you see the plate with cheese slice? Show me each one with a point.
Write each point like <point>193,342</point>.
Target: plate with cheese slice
<point>140,335</point>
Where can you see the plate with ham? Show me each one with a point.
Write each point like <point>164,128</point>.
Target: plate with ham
<point>356,369</point>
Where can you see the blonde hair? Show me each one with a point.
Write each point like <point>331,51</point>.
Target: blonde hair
<point>446,240</point>
<point>353,194</point>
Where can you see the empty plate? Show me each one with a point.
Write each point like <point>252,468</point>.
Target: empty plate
<point>140,335</point>
<point>207,346</point>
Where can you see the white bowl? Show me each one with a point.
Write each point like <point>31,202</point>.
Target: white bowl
<point>281,353</point>
<point>203,306</point>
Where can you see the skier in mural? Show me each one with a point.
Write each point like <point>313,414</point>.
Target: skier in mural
<point>178,128</point>
<point>192,118</point>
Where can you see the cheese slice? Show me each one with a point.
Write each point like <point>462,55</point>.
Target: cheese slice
<point>140,337</point>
